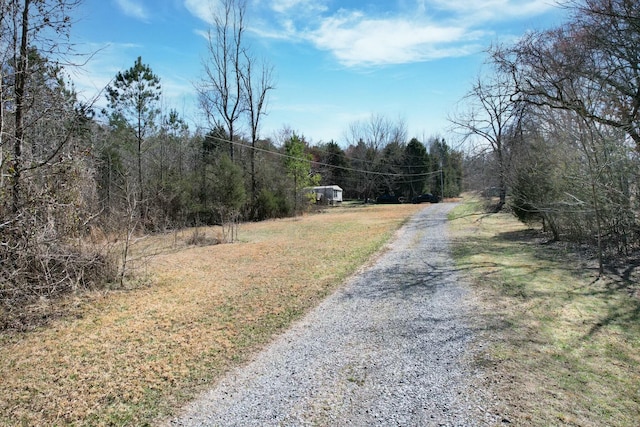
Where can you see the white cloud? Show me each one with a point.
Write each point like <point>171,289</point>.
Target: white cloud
<point>202,33</point>
<point>281,6</point>
<point>357,40</point>
<point>202,9</point>
<point>480,11</point>
<point>133,8</point>
<point>306,6</point>
<point>420,30</point>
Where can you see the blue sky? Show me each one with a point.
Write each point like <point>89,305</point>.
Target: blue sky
<point>335,61</point>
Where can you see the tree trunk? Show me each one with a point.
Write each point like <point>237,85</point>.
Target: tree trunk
<point>253,175</point>
<point>140,188</point>
<point>502,184</point>
<point>21,79</point>
<point>295,194</point>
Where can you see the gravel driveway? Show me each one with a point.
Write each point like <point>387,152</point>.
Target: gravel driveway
<point>391,347</point>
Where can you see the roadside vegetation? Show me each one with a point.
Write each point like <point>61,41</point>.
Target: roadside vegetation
<point>132,357</point>
<point>563,341</point>
<point>125,165</point>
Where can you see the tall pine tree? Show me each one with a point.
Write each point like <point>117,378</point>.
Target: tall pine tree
<point>133,99</point>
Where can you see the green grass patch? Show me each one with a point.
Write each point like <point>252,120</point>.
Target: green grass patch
<point>565,343</point>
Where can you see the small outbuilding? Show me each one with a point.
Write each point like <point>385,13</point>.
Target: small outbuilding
<point>327,194</point>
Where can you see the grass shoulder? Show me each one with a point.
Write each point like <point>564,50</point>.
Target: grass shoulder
<point>564,343</point>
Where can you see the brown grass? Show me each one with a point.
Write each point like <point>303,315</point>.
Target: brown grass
<point>564,344</point>
<point>133,357</point>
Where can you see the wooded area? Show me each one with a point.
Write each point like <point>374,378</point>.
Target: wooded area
<point>79,183</point>
<point>557,126</point>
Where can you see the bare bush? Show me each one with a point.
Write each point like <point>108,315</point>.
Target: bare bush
<point>36,266</point>
<point>200,238</point>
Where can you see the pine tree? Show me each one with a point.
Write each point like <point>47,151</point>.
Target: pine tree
<point>133,98</point>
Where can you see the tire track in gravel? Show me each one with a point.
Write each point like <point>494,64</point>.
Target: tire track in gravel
<point>390,347</point>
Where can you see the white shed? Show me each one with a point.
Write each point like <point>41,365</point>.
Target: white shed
<point>328,194</point>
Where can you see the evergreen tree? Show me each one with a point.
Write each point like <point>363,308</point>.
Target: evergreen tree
<point>447,183</point>
<point>133,97</point>
<point>337,164</point>
<point>416,161</point>
<point>391,165</point>
<point>298,165</point>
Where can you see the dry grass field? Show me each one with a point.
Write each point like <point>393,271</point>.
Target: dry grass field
<point>131,357</point>
<point>564,343</point>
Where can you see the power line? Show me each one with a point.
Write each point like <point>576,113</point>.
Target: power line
<point>349,169</point>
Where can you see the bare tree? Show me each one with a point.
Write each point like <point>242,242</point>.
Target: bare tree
<point>367,139</point>
<point>491,115</point>
<point>221,91</point>
<point>49,185</point>
<point>597,50</point>
<point>4,15</point>
<point>33,93</point>
<point>256,85</point>
<point>26,26</point>
<point>583,80</point>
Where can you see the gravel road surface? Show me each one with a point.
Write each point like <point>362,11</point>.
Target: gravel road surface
<point>390,348</point>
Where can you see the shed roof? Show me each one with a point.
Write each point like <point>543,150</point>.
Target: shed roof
<point>323,187</point>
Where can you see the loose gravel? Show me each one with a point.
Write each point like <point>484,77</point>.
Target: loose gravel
<point>392,347</point>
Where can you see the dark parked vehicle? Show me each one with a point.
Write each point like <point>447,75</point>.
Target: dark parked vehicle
<point>425,198</point>
<point>389,198</point>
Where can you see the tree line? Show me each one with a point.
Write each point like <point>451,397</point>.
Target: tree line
<point>73,176</point>
<point>556,126</point>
